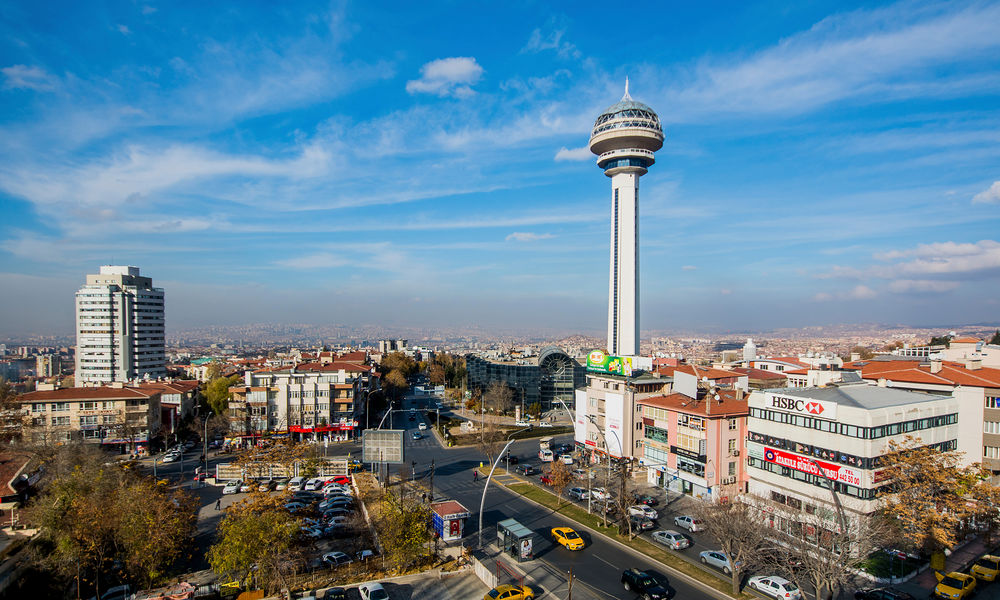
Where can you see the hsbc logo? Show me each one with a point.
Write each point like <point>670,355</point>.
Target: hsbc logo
<point>810,407</point>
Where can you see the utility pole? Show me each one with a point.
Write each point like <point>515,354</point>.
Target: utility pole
<point>570,596</point>
<point>430,497</point>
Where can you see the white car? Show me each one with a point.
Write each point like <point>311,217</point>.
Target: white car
<point>643,511</point>
<point>690,523</point>
<point>314,484</point>
<point>336,559</point>
<point>281,485</point>
<point>232,486</point>
<point>599,494</point>
<point>247,486</point>
<point>295,484</point>
<point>335,487</point>
<point>776,587</point>
<point>364,555</point>
<point>567,459</point>
<point>170,457</point>
<point>373,591</point>
<point>422,426</point>
<point>545,424</point>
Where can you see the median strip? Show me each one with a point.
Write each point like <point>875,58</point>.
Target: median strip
<point>594,522</point>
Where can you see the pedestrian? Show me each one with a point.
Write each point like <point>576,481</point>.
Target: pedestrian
<point>475,475</point>
<point>218,504</point>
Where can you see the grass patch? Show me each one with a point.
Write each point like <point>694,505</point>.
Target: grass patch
<point>667,557</point>
<point>881,564</point>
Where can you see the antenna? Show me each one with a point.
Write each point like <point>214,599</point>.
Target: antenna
<point>626,96</point>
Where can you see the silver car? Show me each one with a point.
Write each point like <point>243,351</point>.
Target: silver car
<point>717,559</point>
<point>671,539</point>
<point>577,493</point>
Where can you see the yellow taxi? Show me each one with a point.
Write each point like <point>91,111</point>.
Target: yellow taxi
<point>510,592</point>
<point>567,538</point>
<point>954,585</point>
<point>987,567</point>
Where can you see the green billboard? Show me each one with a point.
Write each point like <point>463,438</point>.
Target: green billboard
<point>599,361</point>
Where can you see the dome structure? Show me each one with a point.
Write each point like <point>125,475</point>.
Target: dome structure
<point>625,136</point>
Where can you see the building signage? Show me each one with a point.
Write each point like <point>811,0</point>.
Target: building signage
<point>580,426</point>
<point>810,465</point>
<point>687,453</point>
<point>614,414</point>
<point>755,450</point>
<point>801,406</point>
<point>599,361</point>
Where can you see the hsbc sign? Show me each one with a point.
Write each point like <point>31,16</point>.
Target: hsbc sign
<point>802,406</point>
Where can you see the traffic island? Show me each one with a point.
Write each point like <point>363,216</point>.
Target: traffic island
<point>594,523</point>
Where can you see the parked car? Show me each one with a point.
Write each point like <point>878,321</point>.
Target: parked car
<point>314,484</point>
<point>509,592</point>
<point>690,523</point>
<point>373,591</point>
<point>233,486</point>
<point>640,523</point>
<point>295,484</point>
<point>716,559</point>
<point>247,486</point>
<point>774,586</point>
<point>577,493</point>
<point>281,484</point>
<point>600,493</point>
<point>882,594</point>
<point>336,559</point>
<point>954,585</point>
<point>266,485</point>
<point>986,567</point>
<point>525,470</point>
<point>363,555</point>
<point>643,584</point>
<point>567,538</point>
<point>294,506</point>
<point>645,499</point>
<point>642,510</point>
<point>337,512</point>
<point>567,459</point>
<point>671,539</point>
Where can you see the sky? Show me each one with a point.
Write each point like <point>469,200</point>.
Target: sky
<point>426,164</point>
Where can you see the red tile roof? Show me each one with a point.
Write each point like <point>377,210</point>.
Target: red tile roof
<point>797,372</point>
<point>966,340</point>
<point>11,465</point>
<point>88,393</point>
<point>912,371</point>
<point>732,403</point>
<point>760,373</point>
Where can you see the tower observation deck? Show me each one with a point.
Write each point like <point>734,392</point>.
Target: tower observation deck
<point>624,138</point>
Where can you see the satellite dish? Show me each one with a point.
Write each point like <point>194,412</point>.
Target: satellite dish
<point>716,396</point>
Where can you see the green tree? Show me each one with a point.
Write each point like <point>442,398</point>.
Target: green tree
<point>217,393</point>
<point>995,340</point>
<point>213,371</point>
<point>535,409</point>
<point>940,340</point>
<point>402,526</point>
<point>256,540</point>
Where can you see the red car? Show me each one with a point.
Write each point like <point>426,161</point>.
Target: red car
<point>200,477</point>
<point>545,479</point>
<point>340,480</point>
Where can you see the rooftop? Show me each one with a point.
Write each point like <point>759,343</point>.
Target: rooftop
<point>731,402</point>
<point>865,396</point>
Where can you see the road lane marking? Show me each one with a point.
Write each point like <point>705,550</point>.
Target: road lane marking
<point>604,561</point>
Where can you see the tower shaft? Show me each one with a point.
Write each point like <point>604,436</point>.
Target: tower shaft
<point>623,280</point>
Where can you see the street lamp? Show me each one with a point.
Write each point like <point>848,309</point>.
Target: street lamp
<point>482,501</point>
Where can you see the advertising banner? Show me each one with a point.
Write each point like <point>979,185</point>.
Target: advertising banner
<point>580,427</point>
<point>599,362</point>
<point>801,406</point>
<point>811,465</point>
<point>614,414</point>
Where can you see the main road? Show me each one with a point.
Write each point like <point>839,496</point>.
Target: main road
<point>599,565</point>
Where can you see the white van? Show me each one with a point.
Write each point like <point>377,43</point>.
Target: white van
<point>296,484</point>
<point>545,455</point>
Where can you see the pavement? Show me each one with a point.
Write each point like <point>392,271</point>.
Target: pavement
<point>430,585</point>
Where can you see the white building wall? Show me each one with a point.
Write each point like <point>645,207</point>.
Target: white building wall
<point>623,288</point>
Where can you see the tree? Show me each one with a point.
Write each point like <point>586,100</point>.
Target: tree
<point>738,526</point>
<point>940,340</point>
<point>402,527</point>
<point>491,440</point>
<point>399,361</point>
<point>498,397</point>
<point>995,340</point>
<point>559,477</point>
<point>396,382</point>
<point>217,393</point>
<point>11,414</point>
<point>256,540</point>
<point>926,494</point>
<point>213,371</point>
<point>893,346</point>
<point>863,352</point>
<point>535,409</point>
<point>436,374</point>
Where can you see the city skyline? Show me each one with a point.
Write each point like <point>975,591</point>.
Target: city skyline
<point>835,164</point>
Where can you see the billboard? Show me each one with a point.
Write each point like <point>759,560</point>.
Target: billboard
<point>382,446</point>
<point>599,361</point>
<point>810,465</point>
<point>580,427</point>
<point>614,414</point>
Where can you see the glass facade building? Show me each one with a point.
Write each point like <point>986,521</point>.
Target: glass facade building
<point>554,376</point>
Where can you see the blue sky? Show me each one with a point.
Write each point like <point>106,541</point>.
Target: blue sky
<point>425,164</point>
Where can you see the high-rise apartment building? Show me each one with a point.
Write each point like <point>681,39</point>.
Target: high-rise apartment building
<point>624,138</point>
<point>119,327</point>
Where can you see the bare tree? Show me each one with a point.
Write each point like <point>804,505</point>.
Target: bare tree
<point>491,440</point>
<point>498,397</point>
<point>559,477</point>
<point>739,527</point>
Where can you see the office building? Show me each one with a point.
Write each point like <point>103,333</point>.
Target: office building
<point>119,328</point>
<point>624,138</point>
<point>547,380</point>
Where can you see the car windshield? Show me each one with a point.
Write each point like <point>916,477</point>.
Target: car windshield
<point>571,535</point>
<point>379,595</point>
<point>951,582</point>
<point>987,562</point>
<point>790,587</point>
<point>647,581</point>
<point>493,593</point>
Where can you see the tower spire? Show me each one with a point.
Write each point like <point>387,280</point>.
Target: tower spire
<point>626,96</point>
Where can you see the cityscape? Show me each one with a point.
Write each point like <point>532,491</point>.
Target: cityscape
<point>308,301</point>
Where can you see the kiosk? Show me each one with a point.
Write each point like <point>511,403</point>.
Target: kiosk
<point>449,519</point>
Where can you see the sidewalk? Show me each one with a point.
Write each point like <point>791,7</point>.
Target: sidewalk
<point>959,560</point>
<point>546,580</point>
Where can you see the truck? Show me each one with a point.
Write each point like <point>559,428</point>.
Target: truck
<point>545,443</point>
<point>643,584</point>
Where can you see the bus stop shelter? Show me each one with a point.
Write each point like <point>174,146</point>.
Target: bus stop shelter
<point>516,540</point>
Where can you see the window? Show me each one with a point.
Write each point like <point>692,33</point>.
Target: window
<point>991,427</point>
<point>656,433</point>
<point>60,407</point>
<point>38,407</point>
<point>732,447</point>
<point>732,469</point>
<point>60,420</point>
<point>992,402</point>
<point>991,452</point>
<point>733,423</point>
<point>88,420</point>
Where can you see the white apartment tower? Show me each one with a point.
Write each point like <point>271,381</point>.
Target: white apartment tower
<point>624,139</point>
<point>119,327</point>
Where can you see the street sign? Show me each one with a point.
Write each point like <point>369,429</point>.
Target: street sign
<point>382,446</point>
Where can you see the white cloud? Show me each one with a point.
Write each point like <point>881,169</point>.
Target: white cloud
<point>124,30</point>
<point>320,260</point>
<point>990,195</point>
<point>688,268</point>
<point>903,286</point>
<point>553,41</point>
<point>861,292</point>
<point>522,236</point>
<point>582,153</point>
<point>30,78</point>
<point>447,77</point>
<point>823,297</point>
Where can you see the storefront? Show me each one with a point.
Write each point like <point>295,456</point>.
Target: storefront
<point>336,432</point>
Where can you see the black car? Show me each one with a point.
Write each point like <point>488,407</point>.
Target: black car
<point>645,499</point>
<point>510,458</point>
<point>882,594</point>
<point>643,584</point>
<point>526,470</point>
